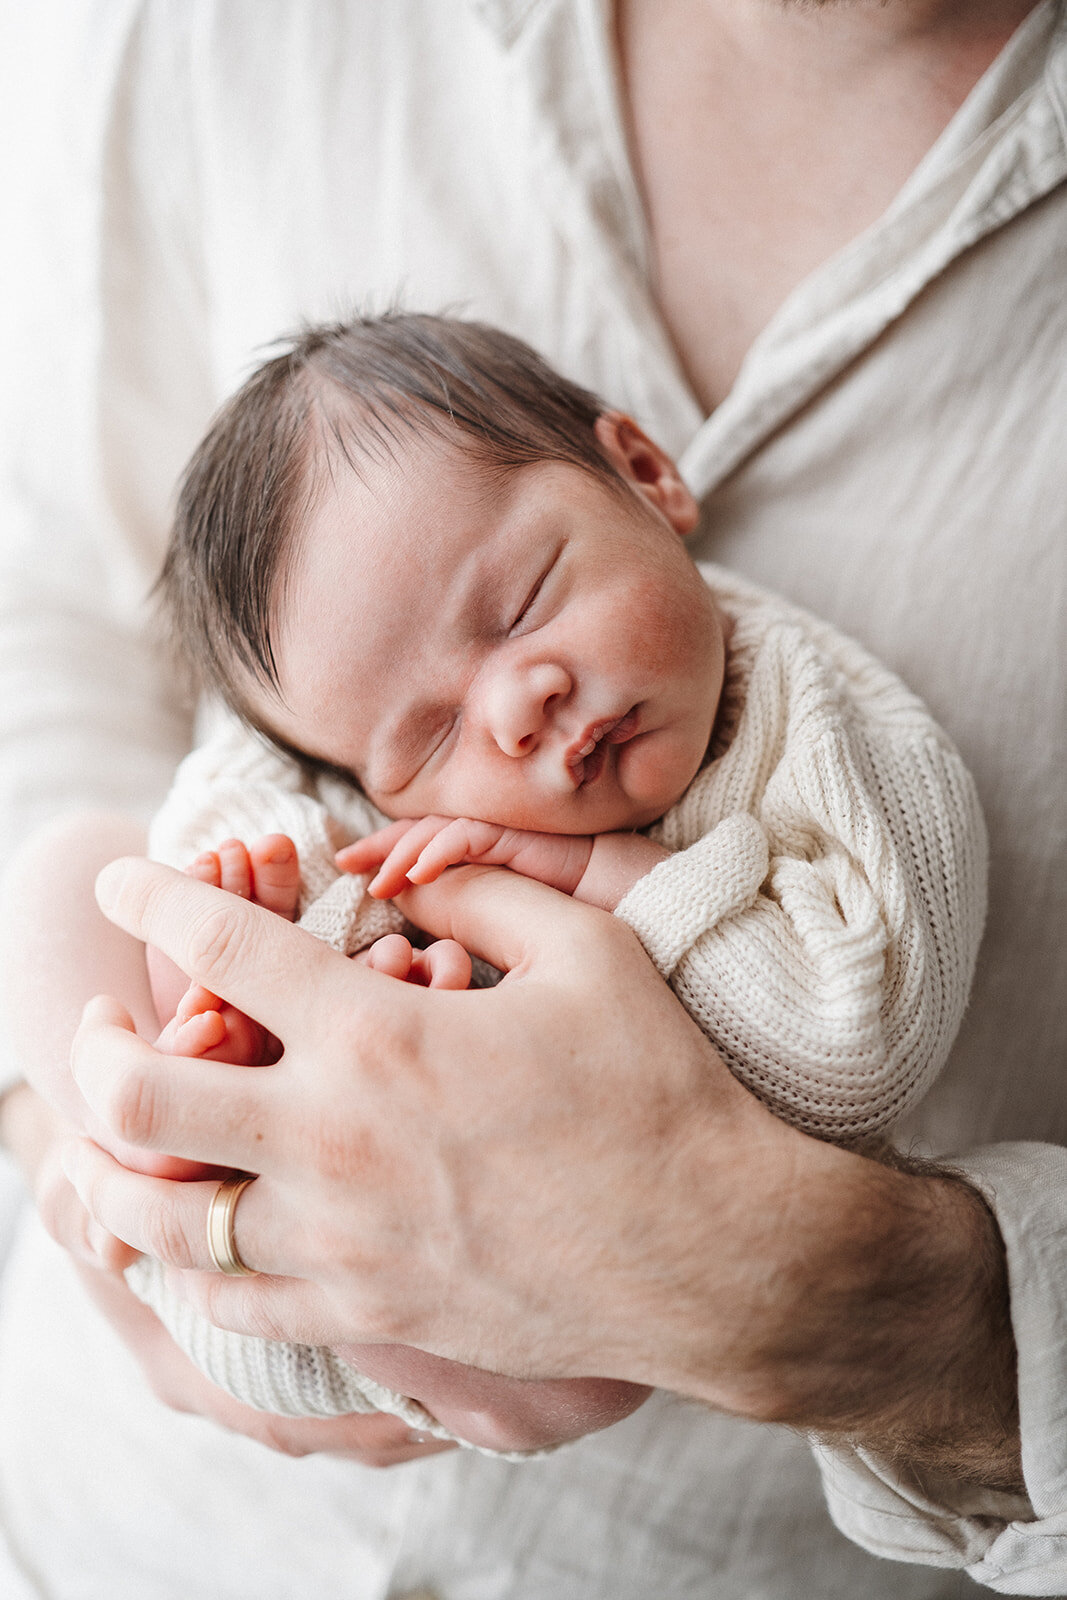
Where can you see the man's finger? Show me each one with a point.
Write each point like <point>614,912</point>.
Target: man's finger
<point>511,921</point>
<point>169,1220</point>
<point>254,959</point>
<point>202,1110</point>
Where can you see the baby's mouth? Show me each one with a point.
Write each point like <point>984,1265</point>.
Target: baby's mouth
<point>586,763</point>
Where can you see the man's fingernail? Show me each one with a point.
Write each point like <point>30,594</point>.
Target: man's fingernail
<point>110,881</point>
<point>68,1160</point>
<point>99,1240</point>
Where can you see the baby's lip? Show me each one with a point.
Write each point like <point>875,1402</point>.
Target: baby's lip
<point>607,730</point>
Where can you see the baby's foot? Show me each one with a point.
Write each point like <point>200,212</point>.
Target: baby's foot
<point>266,872</point>
<point>205,1025</point>
<point>442,965</point>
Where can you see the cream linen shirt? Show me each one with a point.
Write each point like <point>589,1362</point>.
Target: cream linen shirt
<point>184,180</point>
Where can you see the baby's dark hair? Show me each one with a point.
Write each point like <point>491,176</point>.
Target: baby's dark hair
<point>345,391</point>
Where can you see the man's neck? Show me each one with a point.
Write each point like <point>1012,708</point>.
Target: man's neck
<point>844,31</point>
<point>942,46</point>
<point>768,133</point>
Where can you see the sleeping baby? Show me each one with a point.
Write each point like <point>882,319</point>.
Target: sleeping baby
<point>443,597</point>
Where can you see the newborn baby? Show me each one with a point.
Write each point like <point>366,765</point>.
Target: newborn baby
<point>445,595</point>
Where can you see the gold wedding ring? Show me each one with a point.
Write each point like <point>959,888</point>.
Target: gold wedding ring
<point>221,1245</point>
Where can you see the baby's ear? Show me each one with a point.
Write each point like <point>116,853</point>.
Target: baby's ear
<point>648,468</point>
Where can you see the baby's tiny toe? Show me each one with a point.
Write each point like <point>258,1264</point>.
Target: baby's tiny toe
<point>276,874</point>
<point>206,867</point>
<point>236,868</point>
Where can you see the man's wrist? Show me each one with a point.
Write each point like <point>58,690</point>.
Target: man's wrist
<point>876,1312</point>
<point>950,1404</point>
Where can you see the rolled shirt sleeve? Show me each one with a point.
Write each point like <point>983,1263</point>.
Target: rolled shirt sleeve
<point>1011,1544</point>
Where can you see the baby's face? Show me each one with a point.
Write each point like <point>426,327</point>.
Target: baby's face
<point>526,648</point>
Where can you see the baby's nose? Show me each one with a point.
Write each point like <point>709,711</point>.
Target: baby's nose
<point>520,705</point>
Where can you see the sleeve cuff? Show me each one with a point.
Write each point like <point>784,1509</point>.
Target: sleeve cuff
<point>1008,1543</point>
<point>692,890</point>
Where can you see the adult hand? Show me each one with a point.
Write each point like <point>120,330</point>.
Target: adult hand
<point>35,1134</point>
<point>436,1168</point>
<point>553,1177</point>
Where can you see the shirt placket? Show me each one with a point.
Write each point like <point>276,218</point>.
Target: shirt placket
<point>1003,149</point>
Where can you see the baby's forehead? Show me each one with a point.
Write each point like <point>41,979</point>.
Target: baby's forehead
<point>438,498</point>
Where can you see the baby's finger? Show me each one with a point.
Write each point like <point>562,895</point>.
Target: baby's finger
<point>442,965</point>
<point>462,840</point>
<point>392,876</point>
<point>195,1036</point>
<point>363,855</point>
<point>194,1001</point>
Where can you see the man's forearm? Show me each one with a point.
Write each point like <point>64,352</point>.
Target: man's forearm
<point>56,950</point>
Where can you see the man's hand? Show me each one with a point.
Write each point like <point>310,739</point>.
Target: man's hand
<point>552,1177</point>
<point>35,1135</point>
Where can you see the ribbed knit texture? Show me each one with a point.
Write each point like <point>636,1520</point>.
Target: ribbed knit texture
<point>819,915</point>
<point>822,907</point>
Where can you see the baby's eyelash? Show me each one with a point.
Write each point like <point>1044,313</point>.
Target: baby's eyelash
<point>528,603</point>
<point>447,730</point>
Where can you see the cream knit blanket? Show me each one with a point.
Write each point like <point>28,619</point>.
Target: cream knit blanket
<point>819,915</point>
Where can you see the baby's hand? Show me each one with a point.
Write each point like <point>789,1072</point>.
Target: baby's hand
<point>419,850</point>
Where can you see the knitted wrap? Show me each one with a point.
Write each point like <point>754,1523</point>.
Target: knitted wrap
<point>821,910</point>
<point>819,914</point>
